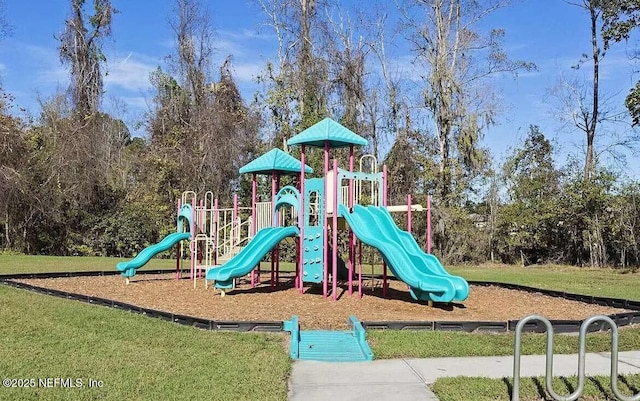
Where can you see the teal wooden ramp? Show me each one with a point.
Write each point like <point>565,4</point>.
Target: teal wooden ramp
<point>330,346</point>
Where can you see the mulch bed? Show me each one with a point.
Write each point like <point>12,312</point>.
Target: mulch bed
<point>163,292</point>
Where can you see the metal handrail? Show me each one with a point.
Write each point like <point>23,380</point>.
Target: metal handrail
<point>515,393</point>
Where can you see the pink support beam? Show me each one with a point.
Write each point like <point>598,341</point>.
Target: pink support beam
<point>278,245</point>
<point>384,203</point>
<point>352,243</point>
<point>178,245</point>
<point>428,223</point>
<point>202,216</point>
<point>192,243</point>
<point>254,199</point>
<point>274,223</point>
<point>360,269</point>
<point>325,240</point>
<point>216,223</point>
<point>301,222</point>
<point>334,230</point>
<point>254,223</point>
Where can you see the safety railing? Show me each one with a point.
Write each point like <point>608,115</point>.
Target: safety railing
<point>515,394</point>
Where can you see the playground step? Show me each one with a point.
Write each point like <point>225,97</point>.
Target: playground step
<point>333,346</point>
<point>330,346</point>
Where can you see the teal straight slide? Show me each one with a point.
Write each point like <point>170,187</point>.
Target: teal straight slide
<point>249,257</point>
<point>129,268</point>
<point>425,280</point>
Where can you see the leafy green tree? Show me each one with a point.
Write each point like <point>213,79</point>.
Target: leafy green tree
<point>585,215</point>
<point>620,18</point>
<point>528,221</point>
<point>14,152</point>
<point>625,225</point>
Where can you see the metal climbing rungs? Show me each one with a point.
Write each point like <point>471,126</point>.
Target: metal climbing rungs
<point>515,394</point>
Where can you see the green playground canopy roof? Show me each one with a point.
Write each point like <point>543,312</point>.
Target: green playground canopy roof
<point>327,130</point>
<point>274,160</point>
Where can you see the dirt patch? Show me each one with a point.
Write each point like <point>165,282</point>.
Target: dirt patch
<point>165,293</point>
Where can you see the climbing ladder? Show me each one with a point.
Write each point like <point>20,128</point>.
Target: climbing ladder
<point>329,346</point>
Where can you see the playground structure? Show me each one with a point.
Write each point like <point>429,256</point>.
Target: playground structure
<point>225,244</point>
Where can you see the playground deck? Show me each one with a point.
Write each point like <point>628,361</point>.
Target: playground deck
<point>163,292</point>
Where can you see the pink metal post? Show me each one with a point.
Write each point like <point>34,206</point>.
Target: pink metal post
<point>301,213</point>
<point>178,245</point>
<point>192,230</point>
<point>254,196</point>
<point>360,269</point>
<point>428,223</point>
<point>216,222</point>
<point>274,223</point>
<point>409,213</point>
<point>352,243</point>
<point>278,245</point>
<point>202,216</point>
<point>326,222</point>
<point>334,230</point>
<point>254,223</point>
<point>384,203</point>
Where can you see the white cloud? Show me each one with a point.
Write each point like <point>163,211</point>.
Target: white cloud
<point>135,103</point>
<point>45,64</point>
<point>130,73</point>
<point>247,72</point>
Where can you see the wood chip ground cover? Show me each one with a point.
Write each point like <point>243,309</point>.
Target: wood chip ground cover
<point>163,292</point>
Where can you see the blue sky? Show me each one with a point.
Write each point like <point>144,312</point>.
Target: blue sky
<point>550,33</point>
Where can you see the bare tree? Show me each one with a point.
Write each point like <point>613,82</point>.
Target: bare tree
<point>80,48</point>
<point>296,87</point>
<point>347,54</point>
<point>385,102</point>
<point>580,101</point>
<point>454,61</point>
<point>194,34</point>
<point>199,126</point>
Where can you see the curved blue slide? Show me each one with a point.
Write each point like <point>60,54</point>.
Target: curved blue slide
<point>129,268</point>
<point>424,284</point>
<point>249,257</point>
<point>423,261</point>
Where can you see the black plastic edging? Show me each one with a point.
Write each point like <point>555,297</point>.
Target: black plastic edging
<point>201,323</point>
<point>559,326</point>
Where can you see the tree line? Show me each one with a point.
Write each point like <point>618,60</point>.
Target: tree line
<point>75,181</point>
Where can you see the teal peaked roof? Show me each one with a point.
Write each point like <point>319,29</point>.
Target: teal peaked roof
<point>327,130</point>
<point>274,160</point>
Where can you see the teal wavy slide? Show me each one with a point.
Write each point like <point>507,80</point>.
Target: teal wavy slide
<point>250,255</point>
<point>423,261</point>
<point>423,284</point>
<point>129,268</point>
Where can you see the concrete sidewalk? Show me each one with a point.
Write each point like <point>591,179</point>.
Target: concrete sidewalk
<point>408,379</point>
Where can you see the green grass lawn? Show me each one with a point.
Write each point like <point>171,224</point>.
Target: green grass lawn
<point>47,264</point>
<point>135,357</point>
<point>141,358</point>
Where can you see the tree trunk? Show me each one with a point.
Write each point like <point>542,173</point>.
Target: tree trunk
<point>592,122</point>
